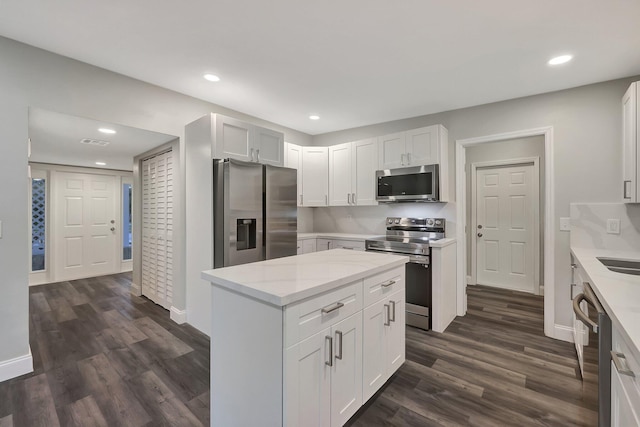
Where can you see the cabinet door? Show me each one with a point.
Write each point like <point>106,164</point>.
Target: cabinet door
<point>355,245</point>
<point>629,144</point>
<point>624,401</point>
<point>364,163</point>
<point>232,139</point>
<point>346,372</point>
<point>268,146</point>
<point>308,381</point>
<point>293,159</point>
<point>308,246</point>
<point>396,332</point>
<point>391,151</point>
<point>374,362</point>
<point>340,175</point>
<point>300,248</point>
<point>324,244</point>
<point>422,146</point>
<point>315,176</point>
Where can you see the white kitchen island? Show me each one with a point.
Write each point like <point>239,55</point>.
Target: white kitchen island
<point>304,340</point>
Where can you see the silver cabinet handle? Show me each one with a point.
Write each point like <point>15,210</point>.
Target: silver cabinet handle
<point>251,154</point>
<point>338,305</point>
<point>624,189</point>
<point>408,158</point>
<point>348,198</point>
<point>353,198</point>
<point>348,247</point>
<point>580,314</point>
<point>393,311</point>
<point>389,283</point>
<point>339,339</point>
<point>301,200</point>
<point>330,362</point>
<point>402,159</point>
<point>615,356</point>
<point>326,200</point>
<point>388,321</point>
<point>258,155</point>
<point>329,244</point>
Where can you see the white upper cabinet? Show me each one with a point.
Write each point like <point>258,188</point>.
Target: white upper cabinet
<point>352,169</point>
<point>233,138</point>
<point>424,146</point>
<point>630,140</point>
<point>293,160</point>
<point>315,176</point>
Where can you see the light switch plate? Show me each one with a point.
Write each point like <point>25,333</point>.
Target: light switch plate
<point>565,224</point>
<point>613,226</point>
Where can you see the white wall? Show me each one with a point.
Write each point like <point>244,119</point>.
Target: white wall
<point>587,149</point>
<point>588,226</point>
<point>33,77</point>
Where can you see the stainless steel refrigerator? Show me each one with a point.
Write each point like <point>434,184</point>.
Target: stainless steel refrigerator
<point>255,215</point>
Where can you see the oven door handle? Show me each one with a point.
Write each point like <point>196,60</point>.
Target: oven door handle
<point>581,315</point>
<point>395,250</point>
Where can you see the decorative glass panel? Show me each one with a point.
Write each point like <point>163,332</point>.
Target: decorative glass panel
<point>38,223</point>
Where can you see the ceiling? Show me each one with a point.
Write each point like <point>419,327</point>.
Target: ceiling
<point>55,138</point>
<point>353,62</point>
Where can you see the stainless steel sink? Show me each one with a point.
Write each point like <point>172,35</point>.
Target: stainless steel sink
<point>625,266</point>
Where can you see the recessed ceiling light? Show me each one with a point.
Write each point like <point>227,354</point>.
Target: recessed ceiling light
<point>106,130</point>
<point>560,59</point>
<point>314,117</point>
<point>212,77</point>
<point>101,164</point>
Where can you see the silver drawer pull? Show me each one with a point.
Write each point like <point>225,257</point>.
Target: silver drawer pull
<point>348,247</point>
<point>330,362</point>
<point>388,321</point>
<point>389,283</point>
<point>339,338</point>
<point>615,356</point>
<point>334,308</point>
<point>393,311</point>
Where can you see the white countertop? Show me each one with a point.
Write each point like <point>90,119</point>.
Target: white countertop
<point>286,280</point>
<point>347,236</point>
<point>619,293</point>
<point>442,242</point>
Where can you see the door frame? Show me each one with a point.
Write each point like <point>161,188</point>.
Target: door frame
<point>550,328</point>
<point>524,161</point>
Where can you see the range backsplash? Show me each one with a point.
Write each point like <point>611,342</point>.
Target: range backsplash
<point>589,220</point>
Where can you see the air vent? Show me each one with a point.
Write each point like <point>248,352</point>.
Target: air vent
<point>97,142</point>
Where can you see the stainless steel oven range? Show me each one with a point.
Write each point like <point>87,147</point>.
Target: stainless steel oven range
<point>411,236</point>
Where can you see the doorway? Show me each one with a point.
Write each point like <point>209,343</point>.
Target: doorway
<point>505,223</point>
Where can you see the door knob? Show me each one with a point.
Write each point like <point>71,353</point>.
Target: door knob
<point>113,229</point>
<point>479,227</point>
<point>479,234</point>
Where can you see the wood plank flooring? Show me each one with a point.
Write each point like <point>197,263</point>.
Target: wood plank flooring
<point>103,357</point>
<point>492,367</point>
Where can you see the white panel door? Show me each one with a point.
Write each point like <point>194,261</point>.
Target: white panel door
<point>629,144</point>
<point>340,175</point>
<point>422,146</point>
<point>346,372</point>
<point>86,235</point>
<point>157,229</point>
<point>315,176</point>
<point>293,159</point>
<point>374,339</point>
<point>392,151</point>
<point>505,227</point>
<point>396,332</point>
<point>364,163</point>
<point>232,139</point>
<point>268,145</point>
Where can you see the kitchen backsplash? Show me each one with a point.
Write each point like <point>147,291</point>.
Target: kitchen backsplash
<point>589,220</point>
<point>370,219</point>
<point>305,220</point>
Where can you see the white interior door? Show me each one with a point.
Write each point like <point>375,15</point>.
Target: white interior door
<point>157,229</point>
<point>86,233</point>
<point>506,220</point>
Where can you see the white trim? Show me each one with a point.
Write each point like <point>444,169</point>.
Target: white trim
<point>549,222</point>
<point>135,289</point>
<point>470,281</point>
<point>562,332</point>
<point>522,161</point>
<point>17,366</point>
<point>178,316</point>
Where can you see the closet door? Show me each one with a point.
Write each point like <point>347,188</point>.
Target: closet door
<point>157,229</point>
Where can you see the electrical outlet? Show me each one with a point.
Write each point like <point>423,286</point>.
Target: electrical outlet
<point>613,226</point>
<point>565,224</point>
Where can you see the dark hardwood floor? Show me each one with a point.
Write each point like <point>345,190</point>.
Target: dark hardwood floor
<point>103,357</point>
<point>106,358</point>
<point>492,367</point>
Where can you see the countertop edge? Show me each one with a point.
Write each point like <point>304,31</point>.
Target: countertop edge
<point>442,242</point>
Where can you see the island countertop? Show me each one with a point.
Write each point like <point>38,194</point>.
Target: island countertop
<point>283,281</point>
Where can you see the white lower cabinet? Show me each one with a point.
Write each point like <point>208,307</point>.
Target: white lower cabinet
<point>306,246</point>
<point>625,385</point>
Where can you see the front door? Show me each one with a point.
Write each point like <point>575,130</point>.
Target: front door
<point>85,225</point>
<point>506,217</point>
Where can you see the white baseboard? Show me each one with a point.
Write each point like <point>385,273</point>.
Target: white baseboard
<point>469,281</point>
<point>136,289</point>
<point>17,366</point>
<point>178,316</point>
<point>563,333</point>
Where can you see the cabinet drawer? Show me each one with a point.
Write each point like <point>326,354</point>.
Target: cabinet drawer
<point>629,362</point>
<point>356,245</point>
<point>382,285</point>
<point>310,316</point>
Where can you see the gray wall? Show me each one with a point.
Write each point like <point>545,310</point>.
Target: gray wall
<point>506,150</point>
<point>587,149</point>
<point>33,77</point>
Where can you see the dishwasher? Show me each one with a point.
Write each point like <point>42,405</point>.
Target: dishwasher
<point>602,327</point>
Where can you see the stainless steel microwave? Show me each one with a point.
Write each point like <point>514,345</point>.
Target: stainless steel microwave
<point>411,184</point>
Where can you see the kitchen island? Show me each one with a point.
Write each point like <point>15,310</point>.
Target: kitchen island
<point>304,340</point>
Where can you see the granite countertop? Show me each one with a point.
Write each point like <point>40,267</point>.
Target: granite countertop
<point>347,236</point>
<point>618,293</point>
<point>283,281</point>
